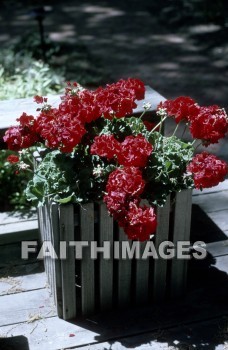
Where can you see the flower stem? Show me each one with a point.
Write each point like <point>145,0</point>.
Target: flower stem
<point>175,130</point>
<point>143,113</point>
<point>159,125</point>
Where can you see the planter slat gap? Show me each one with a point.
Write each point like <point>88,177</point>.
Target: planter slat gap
<point>117,282</point>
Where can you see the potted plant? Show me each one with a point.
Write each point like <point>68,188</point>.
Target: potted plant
<point>92,150</point>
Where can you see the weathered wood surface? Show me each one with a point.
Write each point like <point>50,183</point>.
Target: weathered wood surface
<point>66,222</point>
<point>18,284</point>
<point>216,201</point>
<point>87,264</point>
<point>124,274</point>
<point>21,307</point>
<point>57,287</point>
<point>218,248</point>
<point>105,265</point>
<point>181,232</point>
<point>220,218</point>
<point>18,226</point>
<point>10,255</point>
<point>160,265</point>
<point>142,277</point>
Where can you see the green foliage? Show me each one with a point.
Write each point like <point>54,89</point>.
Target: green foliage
<point>24,74</point>
<point>124,127</point>
<point>166,170</point>
<point>12,185</point>
<point>69,178</point>
<point>37,79</point>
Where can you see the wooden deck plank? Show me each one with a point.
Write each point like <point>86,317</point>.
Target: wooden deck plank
<point>16,308</point>
<point>50,334</point>
<point>221,263</point>
<point>222,186</point>
<point>212,202</point>
<point>10,255</point>
<point>16,216</point>
<point>12,285</point>
<point>218,248</point>
<point>220,218</point>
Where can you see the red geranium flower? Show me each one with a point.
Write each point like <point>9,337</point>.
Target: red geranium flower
<point>182,108</point>
<point>105,146</point>
<point>13,159</point>
<point>128,180</point>
<point>207,170</point>
<point>210,124</point>
<point>140,222</point>
<point>134,151</point>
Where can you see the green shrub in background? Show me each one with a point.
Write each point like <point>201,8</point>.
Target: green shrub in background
<point>12,185</point>
<point>22,74</point>
<point>36,79</point>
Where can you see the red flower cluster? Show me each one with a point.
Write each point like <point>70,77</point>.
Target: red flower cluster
<point>105,146</point>
<point>133,151</point>
<point>141,222</point>
<point>207,170</point>
<point>210,124</point>
<point>182,108</point>
<point>13,159</point>
<point>22,136</point>
<point>63,128</point>
<point>128,180</point>
<point>124,187</point>
<point>59,131</point>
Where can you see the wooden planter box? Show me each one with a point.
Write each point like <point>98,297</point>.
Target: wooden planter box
<point>86,286</point>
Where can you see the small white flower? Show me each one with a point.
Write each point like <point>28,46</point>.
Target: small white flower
<point>162,112</point>
<point>23,166</point>
<point>97,171</point>
<point>147,105</point>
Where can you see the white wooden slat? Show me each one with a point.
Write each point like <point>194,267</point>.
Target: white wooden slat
<point>87,264</point>
<point>66,222</point>
<point>105,265</point>
<point>181,232</point>
<point>57,263</point>
<point>142,276</point>
<point>160,265</point>
<point>48,259</point>
<point>124,274</point>
<point>43,232</point>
